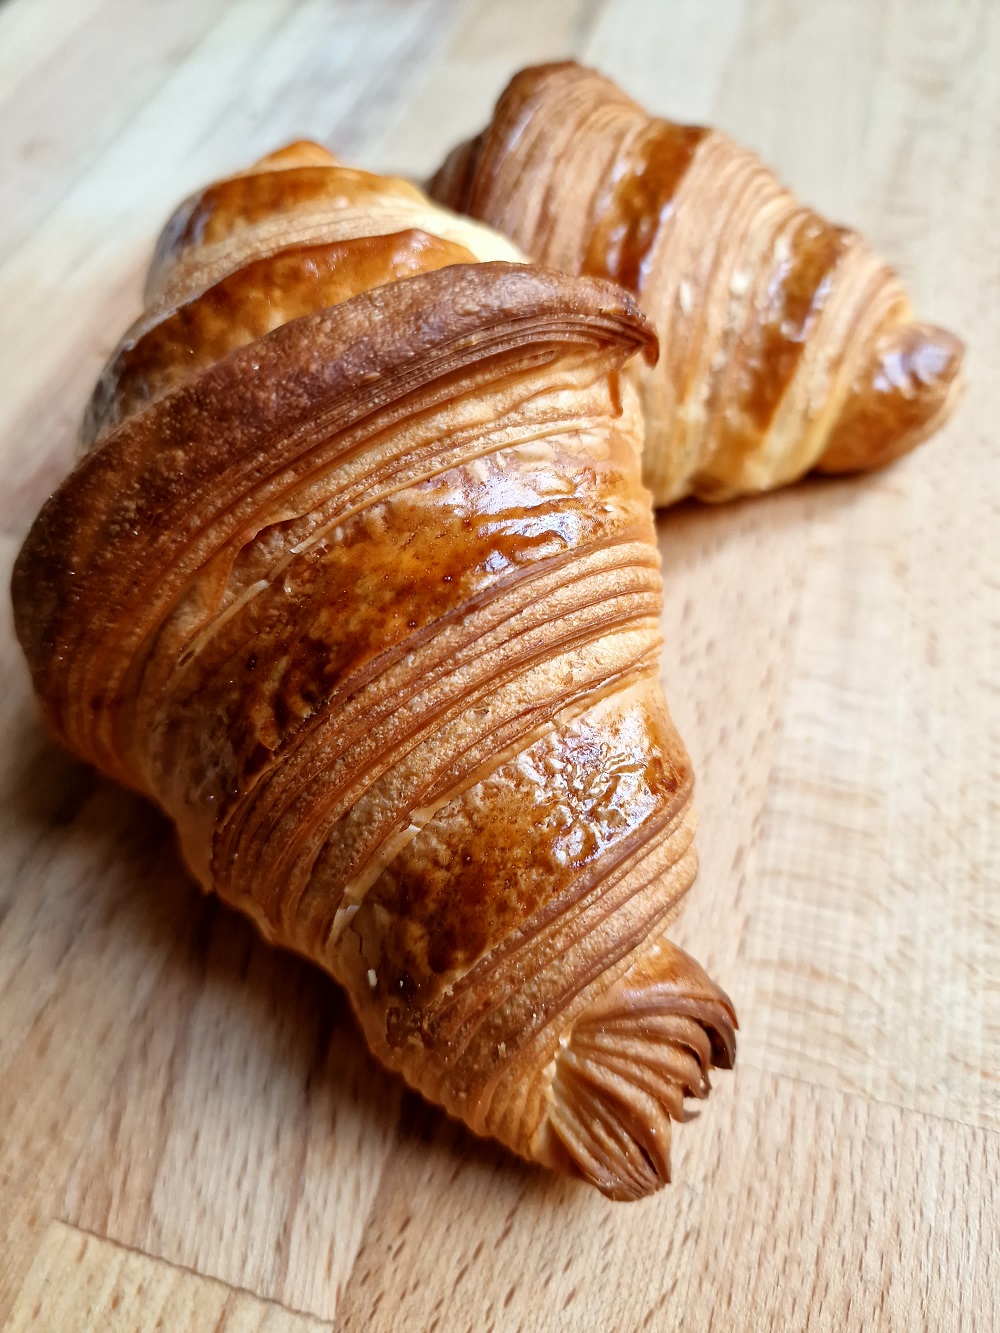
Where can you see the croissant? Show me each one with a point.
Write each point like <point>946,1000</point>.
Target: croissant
<point>787,345</point>
<point>357,580</point>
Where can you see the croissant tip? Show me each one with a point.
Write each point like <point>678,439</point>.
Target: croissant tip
<point>907,391</point>
<point>298,153</point>
<point>628,1064</point>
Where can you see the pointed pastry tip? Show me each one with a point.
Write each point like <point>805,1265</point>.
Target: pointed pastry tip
<point>300,153</point>
<point>905,392</point>
<point>624,1070</point>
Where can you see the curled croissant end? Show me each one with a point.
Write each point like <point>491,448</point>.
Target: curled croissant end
<point>906,390</point>
<point>359,582</point>
<point>626,1066</point>
<point>787,345</point>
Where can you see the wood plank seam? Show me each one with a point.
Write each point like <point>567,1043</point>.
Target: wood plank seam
<point>109,144</point>
<point>125,1248</point>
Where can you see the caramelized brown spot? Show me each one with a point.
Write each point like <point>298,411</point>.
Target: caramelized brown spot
<point>250,303</point>
<point>504,849</point>
<point>800,285</point>
<point>381,580</point>
<point>901,396</point>
<point>644,184</point>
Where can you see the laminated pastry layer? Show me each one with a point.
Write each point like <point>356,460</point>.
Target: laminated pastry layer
<point>787,344</point>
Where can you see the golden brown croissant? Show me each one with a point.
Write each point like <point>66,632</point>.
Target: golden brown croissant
<point>786,344</point>
<point>358,582</point>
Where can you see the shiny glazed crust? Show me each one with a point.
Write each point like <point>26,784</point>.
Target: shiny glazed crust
<point>357,581</point>
<point>786,344</point>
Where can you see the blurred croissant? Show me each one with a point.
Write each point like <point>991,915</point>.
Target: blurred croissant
<point>786,345</point>
<point>358,582</point>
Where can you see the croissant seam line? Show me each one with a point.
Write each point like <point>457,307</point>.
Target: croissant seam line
<point>434,800</point>
<point>293,793</point>
<point>520,578</point>
<point>316,538</point>
<point>581,898</point>
<point>302,874</point>
<point>627,947</point>
<point>426,723</point>
<point>463,658</point>
<point>144,596</point>
<point>414,738</point>
<point>630,619</point>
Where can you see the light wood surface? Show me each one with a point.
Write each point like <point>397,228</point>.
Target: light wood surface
<point>81,1281</point>
<point>190,1128</point>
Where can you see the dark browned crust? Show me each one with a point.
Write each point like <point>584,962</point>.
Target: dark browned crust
<point>169,486</point>
<point>173,345</point>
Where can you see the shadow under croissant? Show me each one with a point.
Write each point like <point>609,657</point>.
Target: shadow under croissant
<point>127,875</point>
<point>151,904</point>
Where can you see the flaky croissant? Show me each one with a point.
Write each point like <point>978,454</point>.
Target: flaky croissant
<point>786,345</point>
<point>358,582</point>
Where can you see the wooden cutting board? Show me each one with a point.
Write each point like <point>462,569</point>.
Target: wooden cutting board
<point>190,1129</point>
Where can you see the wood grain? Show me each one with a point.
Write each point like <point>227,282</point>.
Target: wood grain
<point>792,1207</point>
<point>82,1282</point>
<point>189,1123</point>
